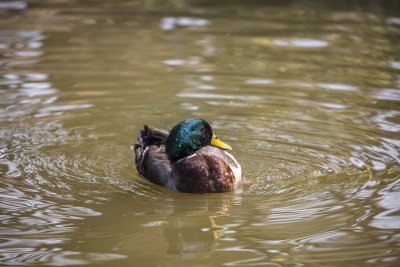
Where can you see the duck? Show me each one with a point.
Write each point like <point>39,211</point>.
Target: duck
<point>189,159</point>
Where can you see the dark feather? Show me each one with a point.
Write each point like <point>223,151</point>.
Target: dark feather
<point>151,159</point>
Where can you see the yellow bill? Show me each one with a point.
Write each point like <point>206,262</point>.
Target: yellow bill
<point>218,143</point>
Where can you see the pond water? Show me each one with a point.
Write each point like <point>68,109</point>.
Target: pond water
<point>306,92</point>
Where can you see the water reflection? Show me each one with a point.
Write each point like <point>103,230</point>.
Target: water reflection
<point>191,233</point>
<point>306,93</point>
<point>190,228</point>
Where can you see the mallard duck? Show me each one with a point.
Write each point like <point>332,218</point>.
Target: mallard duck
<point>188,159</point>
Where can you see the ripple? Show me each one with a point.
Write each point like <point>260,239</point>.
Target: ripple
<point>302,43</point>
<point>393,20</point>
<point>339,87</point>
<point>55,256</point>
<point>328,245</point>
<point>395,64</point>
<point>181,62</point>
<point>13,5</point>
<point>37,89</point>
<point>59,110</point>
<point>24,54</point>
<point>333,105</point>
<point>22,90</point>
<point>218,96</point>
<point>259,81</point>
<point>170,23</point>
<point>388,94</point>
<point>389,200</point>
<point>388,121</point>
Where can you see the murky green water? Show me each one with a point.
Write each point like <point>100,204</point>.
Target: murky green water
<point>306,92</point>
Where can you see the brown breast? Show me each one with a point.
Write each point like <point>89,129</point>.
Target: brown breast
<point>203,173</point>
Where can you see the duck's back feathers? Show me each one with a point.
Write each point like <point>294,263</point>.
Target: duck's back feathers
<point>151,160</point>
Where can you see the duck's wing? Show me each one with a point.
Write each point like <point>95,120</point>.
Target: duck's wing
<point>152,136</point>
<point>226,157</point>
<point>150,157</point>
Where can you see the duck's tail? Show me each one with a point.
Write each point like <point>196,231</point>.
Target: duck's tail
<point>150,136</point>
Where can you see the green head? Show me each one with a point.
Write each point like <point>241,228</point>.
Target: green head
<point>189,136</point>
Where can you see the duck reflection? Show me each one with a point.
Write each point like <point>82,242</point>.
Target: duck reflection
<point>193,227</point>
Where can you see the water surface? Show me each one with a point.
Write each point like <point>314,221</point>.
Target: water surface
<point>307,94</point>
